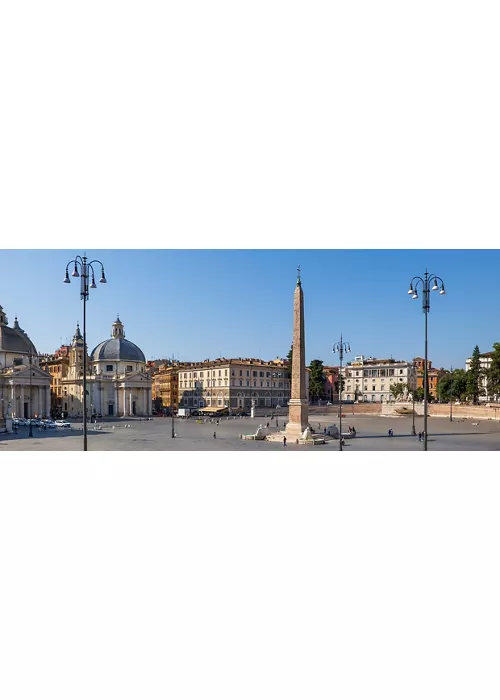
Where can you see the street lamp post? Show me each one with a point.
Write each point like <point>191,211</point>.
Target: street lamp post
<point>341,347</point>
<point>451,394</point>
<point>426,305</point>
<point>82,268</point>
<point>31,412</point>
<point>414,386</point>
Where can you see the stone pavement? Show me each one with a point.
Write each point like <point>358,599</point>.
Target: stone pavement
<point>156,435</point>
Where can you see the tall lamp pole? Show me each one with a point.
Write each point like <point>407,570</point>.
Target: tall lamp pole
<point>172,402</point>
<point>426,305</point>
<point>451,393</point>
<point>341,347</point>
<point>414,386</point>
<point>31,412</point>
<point>83,269</point>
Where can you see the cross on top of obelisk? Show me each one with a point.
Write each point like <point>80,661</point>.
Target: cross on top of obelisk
<point>298,275</point>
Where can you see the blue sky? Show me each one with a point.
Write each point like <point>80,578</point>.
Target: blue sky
<point>197,304</point>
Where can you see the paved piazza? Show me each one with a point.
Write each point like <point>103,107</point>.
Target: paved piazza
<point>156,435</point>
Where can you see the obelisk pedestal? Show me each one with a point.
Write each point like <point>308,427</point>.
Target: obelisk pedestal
<point>298,414</point>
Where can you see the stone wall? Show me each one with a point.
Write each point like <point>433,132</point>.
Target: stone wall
<point>390,409</point>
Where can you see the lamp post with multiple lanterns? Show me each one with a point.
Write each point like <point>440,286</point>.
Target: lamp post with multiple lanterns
<point>341,347</point>
<point>426,305</point>
<point>83,269</point>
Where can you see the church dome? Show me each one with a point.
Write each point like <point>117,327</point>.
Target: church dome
<point>117,348</point>
<point>15,339</point>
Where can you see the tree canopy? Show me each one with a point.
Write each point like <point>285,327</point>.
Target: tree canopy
<point>398,390</point>
<point>453,385</point>
<point>493,373</point>
<point>316,379</point>
<point>474,375</point>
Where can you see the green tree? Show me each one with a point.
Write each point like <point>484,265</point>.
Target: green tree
<point>453,385</point>
<point>316,379</point>
<point>289,357</point>
<point>493,374</point>
<point>444,386</point>
<point>398,390</point>
<point>459,384</point>
<point>474,375</point>
<point>418,394</point>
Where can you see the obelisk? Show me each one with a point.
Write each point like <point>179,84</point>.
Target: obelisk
<point>298,413</point>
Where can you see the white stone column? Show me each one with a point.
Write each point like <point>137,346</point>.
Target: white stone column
<point>47,399</point>
<point>130,402</point>
<point>116,401</point>
<point>22,403</point>
<point>13,402</point>
<point>124,402</point>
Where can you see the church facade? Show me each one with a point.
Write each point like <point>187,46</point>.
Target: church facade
<point>121,385</point>
<point>118,383</point>
<point>24,387</point>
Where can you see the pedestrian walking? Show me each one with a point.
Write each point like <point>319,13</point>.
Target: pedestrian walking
<point>420,437</point>
<point>215,435</point>
<point>284,440</point>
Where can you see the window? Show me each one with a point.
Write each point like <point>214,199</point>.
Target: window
<point>220,373</point>
<point>254,383</point>
<point>382,372</point>
<point>129,368</point>
<point>225,372</point>
<point>373,397</point>
<point>248,382</point>
<point>357,374</point>
<point>400,371</point>
<point>248,373</point>
<point>261,374</point>
<point>267,383</point>
<point>241,372</point>
<point>195,375</point>
<point>201,375</point>
<point>241,382</point>
<point>268,374</point>
<point>254,373</point>
<point>109,368</point>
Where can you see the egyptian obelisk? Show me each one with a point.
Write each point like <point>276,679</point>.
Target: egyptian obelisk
<point>298,414</point>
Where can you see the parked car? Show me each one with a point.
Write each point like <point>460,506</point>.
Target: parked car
<point>62,424</point>
<point>48,423</point>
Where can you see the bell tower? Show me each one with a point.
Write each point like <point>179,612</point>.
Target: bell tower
<point>76,356</point>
